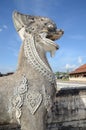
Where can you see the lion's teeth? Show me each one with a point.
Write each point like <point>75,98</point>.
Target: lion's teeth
<point>52,53</point>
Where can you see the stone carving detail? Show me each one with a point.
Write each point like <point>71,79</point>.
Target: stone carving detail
<point>35,60</point>
<point>47,99</point>
<point>23,87</point>
<point>34,99</point>
<point>17,95</point>
<point>18,99</point>
<point>17,104</point>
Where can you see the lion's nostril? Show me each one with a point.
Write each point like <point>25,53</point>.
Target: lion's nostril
<point>57,47</point>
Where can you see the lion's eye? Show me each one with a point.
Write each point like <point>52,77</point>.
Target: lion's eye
<point>50,26</point>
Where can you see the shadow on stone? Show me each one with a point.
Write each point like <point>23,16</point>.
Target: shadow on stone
<point>10,127</point>
<point>69,110</point>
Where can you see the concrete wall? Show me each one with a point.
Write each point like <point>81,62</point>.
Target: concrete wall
<point>69,110</point>
<point>77,79</point>
<point>9,127</point>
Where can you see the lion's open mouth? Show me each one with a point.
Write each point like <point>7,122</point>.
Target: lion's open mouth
<point>49,42</point>
<point>50,36</point>
<point>55,35</point>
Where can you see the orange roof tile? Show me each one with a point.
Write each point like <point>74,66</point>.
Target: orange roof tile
<point>81,69</point>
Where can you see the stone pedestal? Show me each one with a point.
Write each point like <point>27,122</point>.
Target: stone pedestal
<point>9,127</point>
<point>69,110</point>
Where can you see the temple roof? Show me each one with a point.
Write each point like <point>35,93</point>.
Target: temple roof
<point>81,69</point>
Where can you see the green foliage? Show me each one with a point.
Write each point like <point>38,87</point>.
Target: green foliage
<point>62,75</point>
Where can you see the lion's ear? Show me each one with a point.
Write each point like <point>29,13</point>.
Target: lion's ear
<point>22,33</point>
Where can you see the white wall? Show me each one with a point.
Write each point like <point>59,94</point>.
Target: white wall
<point>77,79</point>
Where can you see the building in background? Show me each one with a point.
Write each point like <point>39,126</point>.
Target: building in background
<point>78,74</point>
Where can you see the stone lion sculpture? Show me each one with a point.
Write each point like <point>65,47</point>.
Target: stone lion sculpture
<point>27,95</point>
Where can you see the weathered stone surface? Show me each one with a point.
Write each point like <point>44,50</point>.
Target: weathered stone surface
<point>27,95</point>
<point>69,110</point>
<point>10,127</point>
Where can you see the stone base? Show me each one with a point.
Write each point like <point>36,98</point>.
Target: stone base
<point>68,111</point>
<point>52,126</point>
<point>10,127</point>
<point>68,126</point>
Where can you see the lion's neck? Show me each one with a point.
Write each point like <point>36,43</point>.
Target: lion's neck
<point>34,59</point>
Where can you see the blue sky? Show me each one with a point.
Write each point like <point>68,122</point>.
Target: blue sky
<point>69,15</point>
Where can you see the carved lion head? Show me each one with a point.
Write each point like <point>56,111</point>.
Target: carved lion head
<point>42,28</point>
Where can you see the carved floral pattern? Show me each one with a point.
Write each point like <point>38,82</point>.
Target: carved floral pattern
<point>33,98</point>
<point>34,59</point>
<point>18,99</point>
<point>47,99</point>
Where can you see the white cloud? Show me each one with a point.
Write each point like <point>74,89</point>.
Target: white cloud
<point>5,26</point>
<point>80,60</point>
<point>0,30</point>
<point>70,67</point>
<point>77,37</point>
